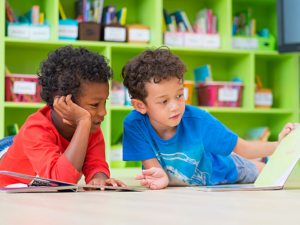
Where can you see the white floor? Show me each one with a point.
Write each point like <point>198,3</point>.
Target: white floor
<point>168,206</point>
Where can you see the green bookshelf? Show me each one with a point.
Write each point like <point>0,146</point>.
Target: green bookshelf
<point>279,72</point>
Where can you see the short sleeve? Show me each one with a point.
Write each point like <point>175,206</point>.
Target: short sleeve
<point>135,144</point>
<point>217,138</point>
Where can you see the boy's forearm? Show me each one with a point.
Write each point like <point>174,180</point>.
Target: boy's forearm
<point>76,150</point>
<point>254,149</point>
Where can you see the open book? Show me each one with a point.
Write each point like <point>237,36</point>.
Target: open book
<point>276,171</point>
<point>39,184</point>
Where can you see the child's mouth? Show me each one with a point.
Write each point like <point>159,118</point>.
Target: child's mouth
<point>97,124</point>
<point>175,117</point>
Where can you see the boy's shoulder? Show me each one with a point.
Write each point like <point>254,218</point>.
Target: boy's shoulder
<point>134,117</point>
<point>194,112</point>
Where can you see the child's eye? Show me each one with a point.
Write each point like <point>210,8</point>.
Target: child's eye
<point>95,105</point>
<point>178,96</point>
<point>163,102</point>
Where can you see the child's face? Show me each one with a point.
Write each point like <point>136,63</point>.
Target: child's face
<point>93,99</point>
<point>165,103</point>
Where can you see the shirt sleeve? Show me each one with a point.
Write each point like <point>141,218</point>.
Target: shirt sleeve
<point>217,138</point>
<point>95,157</point>
<point>40,147</point>
<point>135,145</point>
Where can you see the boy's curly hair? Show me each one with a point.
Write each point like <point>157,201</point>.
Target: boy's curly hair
<point>66,68</point>
<point>151,65</point>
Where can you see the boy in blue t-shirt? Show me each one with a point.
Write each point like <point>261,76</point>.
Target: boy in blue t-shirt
<point>180,144</point>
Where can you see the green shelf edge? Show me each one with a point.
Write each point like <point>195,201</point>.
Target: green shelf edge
<point>23,105</point>
<point>131,47</point>
<point>223,110</point>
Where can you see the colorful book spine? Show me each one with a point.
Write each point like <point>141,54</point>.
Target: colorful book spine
<point>187,22</point>
<point>100,11</point>
<point>35,14</point>
<point>61,11</point>
<point>84,10</point>
<point>123,16</point>
<point>88,9</point>
<point>209,21</point>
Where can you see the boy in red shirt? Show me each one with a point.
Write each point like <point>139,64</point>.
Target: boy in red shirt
<point>63,139</point>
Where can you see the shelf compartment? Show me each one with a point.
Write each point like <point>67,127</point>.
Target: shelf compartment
<point>192,7</point>
<point>49,7</point>
<point>11,116</point>
<point>137,12</point>
<point>29,63</point>
<point>224,67</point>
<point>279,74</point>
<point>241,122</point>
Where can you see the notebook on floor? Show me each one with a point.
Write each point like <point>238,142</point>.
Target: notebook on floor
<point>39,184</point>
<point>275,173</point>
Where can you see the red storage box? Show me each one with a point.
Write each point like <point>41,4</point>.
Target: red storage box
<point>220,94</point>
<point>22,88</point>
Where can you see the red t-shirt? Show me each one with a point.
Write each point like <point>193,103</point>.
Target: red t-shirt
<point>38,150</point>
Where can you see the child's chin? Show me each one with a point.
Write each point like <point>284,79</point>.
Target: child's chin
<point>93,130</point>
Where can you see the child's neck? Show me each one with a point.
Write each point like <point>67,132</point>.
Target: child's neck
<point>164,132</point>
<point>61,127</point>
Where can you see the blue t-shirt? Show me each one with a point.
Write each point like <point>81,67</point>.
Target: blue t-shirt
<point>198,153</point>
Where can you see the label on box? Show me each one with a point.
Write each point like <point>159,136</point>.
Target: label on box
<point>39,33</point>
<point>263,99</point>
<point>117,97</point>
<point>228,95</point>
<point>211,41</point>
<point>244,43</point>
<point>192,40</point>
<point>68,31</point>
<point>115,34</point>
<point>116,154</point>
<point>139,35</point>
<point>23,87</point>
<point>18,31</point>
<point>173,40</point>
<point>186,94</point>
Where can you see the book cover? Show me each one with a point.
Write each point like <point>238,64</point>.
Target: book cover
<point>203,74</point>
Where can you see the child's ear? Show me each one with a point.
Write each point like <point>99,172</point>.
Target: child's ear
<point>139,105</point>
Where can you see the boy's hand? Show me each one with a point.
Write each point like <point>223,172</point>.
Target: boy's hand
<point>108,182</point>
<point>286,130</point>
<point>153,178</point>
<point>71,113</point>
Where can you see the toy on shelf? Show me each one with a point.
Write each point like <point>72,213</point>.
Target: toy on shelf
<point>117,94</point>
<point>263,96</point>
<point>178,30</point>
<point>245,35</point>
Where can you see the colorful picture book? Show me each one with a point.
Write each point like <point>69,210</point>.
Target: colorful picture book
<point>38,184</point>
<point>275,173</point>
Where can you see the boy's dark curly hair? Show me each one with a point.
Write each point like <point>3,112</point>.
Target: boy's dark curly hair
<point>66,68</point>
<point>151,65</point>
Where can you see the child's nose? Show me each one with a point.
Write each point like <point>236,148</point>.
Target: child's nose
<point>175,106</point>
<point>102,112</point>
